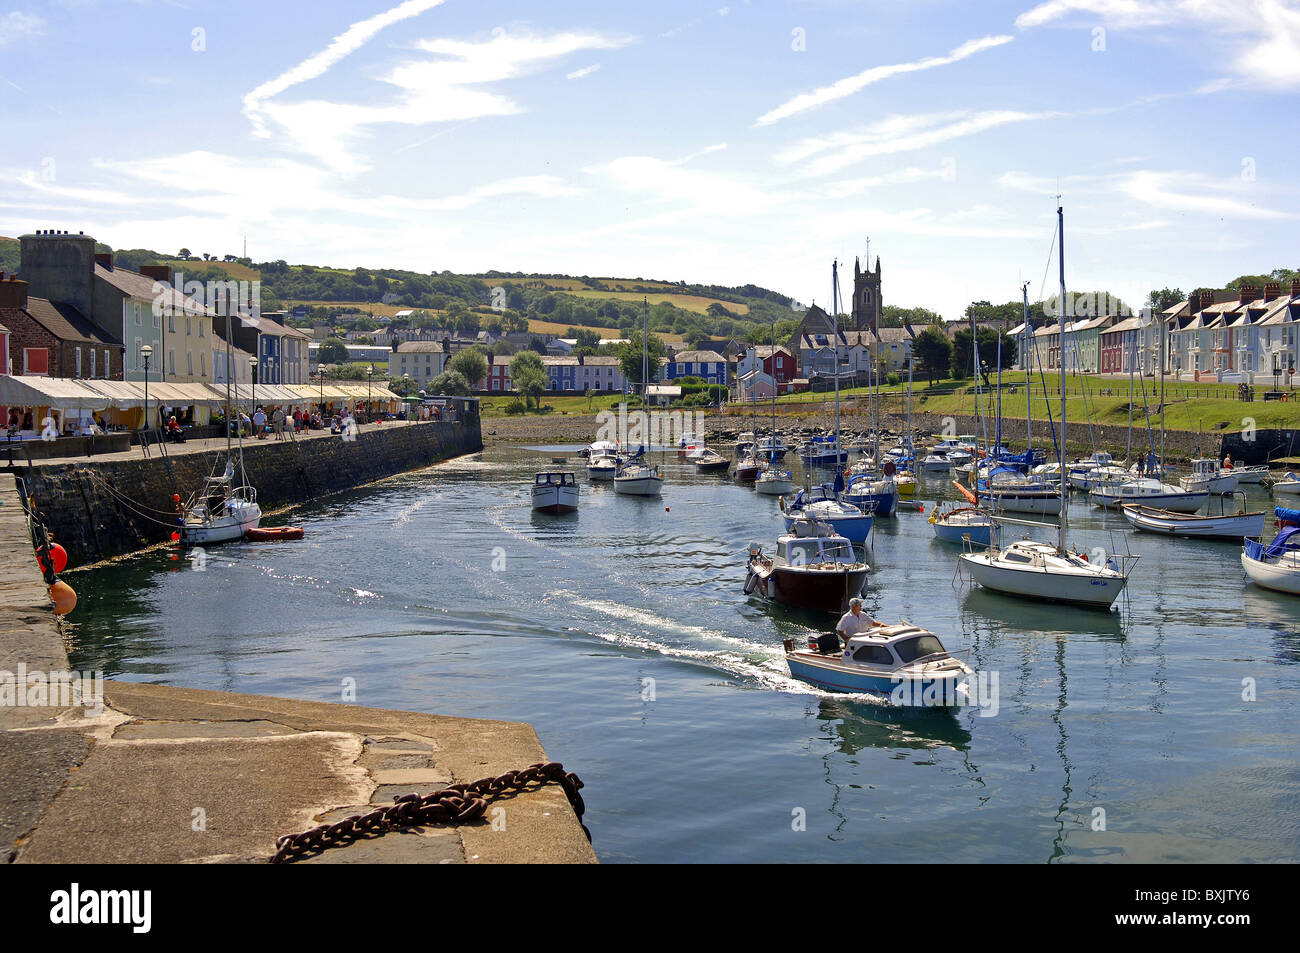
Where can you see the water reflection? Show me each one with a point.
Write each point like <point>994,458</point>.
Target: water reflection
<point>980,605</point>
<point>867,724</point>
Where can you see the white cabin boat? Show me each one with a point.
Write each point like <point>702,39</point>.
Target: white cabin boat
<point>603,467</point>
<point>1206,475</point>
<point>813,567</point>
<point>1287,485</point>
<point>774,481</point>
<point>555,492</point>
<point>1150,493</point>
<point>904,663</point>
<point>221,511</point>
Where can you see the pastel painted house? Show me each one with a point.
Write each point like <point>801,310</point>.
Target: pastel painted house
<point>709,365</point>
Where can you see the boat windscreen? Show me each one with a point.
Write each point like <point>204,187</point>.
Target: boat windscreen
<point>909,650</point>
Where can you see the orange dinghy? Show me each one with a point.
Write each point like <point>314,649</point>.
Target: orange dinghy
<point>267,534</point>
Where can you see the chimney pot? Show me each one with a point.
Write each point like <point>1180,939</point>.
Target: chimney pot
<point>1247,294</point>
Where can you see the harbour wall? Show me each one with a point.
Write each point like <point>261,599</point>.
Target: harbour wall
<point>101,508</point>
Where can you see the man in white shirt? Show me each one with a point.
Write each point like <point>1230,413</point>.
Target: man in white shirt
<point>259,424</point>
<point>854,621</point>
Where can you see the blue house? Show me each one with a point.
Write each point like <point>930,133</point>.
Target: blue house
<point>709,365</point>
<point>561,373</point>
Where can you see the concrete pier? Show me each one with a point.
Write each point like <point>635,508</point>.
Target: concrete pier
<point>170,775</point>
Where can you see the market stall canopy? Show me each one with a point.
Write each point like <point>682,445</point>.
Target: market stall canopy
<point>32,391</point>
<point>182,395</point>
<point>122,395</point>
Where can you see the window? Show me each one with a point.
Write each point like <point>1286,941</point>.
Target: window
<point>107,366</point>
<point>138,358</point>
<point>36,360</point>
<point>136,305</point>
<point>78,374</point>
<point>157,318</point>
<point>171,362</point>
<point>874,654</point>
<point>171,323</point>
<point>909,650</point>
<point>189,364</point>
<point>92,362</point>
<point>189,325</point>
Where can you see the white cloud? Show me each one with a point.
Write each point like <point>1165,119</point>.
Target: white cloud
<point>346,43</point>
<point>1266,48</point>
<point>443,88</point>
<point>585,71</point>
<point>851,84</point>
<point>896,134</point>
<point>16,26</point>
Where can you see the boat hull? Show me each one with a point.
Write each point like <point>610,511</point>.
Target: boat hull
<point>1169,523</point>
<point>1174,502</point>
<point>1033,583</point>
<point>980,534</point>
<point>555,499</point>
<point>224,529</point>
<point>1013,503</point>
<point>1275,576</point>
<point>774,487</point>
<point>831,673</point>
<point>639,486</point>
<point>816,589</point>
<point>853,528</point>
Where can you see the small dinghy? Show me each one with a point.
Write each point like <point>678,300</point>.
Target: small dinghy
<point>272,534</point>
<point>710,461</point>
<point>904,663</point>
<point>1288,485</point>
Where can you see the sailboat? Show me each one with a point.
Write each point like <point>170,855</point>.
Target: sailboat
<point>772,480</point>
<point>1044,571</point>
<point>1276,564</point>
<point>636,477</point>
<point>225,506</point>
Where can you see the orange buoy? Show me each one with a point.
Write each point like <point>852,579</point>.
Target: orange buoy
<point>65,599</point>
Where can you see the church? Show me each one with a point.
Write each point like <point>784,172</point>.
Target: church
<point>858,336</point>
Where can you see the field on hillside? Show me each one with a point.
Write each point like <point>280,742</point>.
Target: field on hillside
<point>696,303</point>
<point>233,269</point>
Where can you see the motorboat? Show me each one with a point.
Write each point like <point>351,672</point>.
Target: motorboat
<point>689,446</point>
<point>1149,492</point>
<point>748,468</point>
<point>638,479</point>
<point>956,524</point>
<point>603,467</point>
<point>821,503</point>
<point>1253,475</point>
<point>1238,525</point>
<point>904,662</point>
<point>813,567</point>
<point>555,492</point>
<point>744,443</point>
<point>1100,476</point>
<point>774,481</point>
<point>710,461</point>
<point>771,447</point>
<point>822,451</point>
<point>1008,490</point>
<point>1276,565</point>
<point>1288,484</point>
<point>1043,571</point>
<point>1208,476</point>
<point>940,461</point>
<point>223,509</point>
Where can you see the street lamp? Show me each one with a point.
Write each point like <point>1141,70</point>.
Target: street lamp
<point>369,373</point>
<point>320,369</point>
<point>146,352</point>
<point>252,373</point>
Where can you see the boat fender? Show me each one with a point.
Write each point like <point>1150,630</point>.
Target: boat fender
<point>751,583</point>
<point>781,503</point>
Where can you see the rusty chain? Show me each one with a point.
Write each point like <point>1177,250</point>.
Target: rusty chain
<point>454,804</point>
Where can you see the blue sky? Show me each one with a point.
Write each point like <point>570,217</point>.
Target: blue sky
<point>723,142</point>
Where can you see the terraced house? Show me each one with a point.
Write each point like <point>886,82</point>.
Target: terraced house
<point>422,361</point>
<point>709,365</point>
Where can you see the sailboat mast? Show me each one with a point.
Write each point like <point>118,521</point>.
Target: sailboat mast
<point>1028,362</point>
<point>835,343</point>
<point>1060,304</point>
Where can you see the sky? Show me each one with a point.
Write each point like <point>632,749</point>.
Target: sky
<point>723,143</point>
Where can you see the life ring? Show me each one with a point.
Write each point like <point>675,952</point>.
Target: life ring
<point>751,583</point>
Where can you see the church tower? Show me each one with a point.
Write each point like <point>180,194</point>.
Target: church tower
<point>866,297</point>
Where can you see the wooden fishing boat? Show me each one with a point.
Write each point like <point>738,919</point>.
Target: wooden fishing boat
<point>1150,519</point>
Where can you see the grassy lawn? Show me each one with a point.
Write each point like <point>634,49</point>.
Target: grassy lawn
<point>695,303</point>
<point>1189,405</point>
<point>233,269</point>
<point>495,405</point>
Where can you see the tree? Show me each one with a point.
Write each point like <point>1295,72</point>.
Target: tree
<point>962,358</point>
<point>933,349</point>
<point>529,375</point>
<point>449,383</point>
<point>630,357</point>
<point>1159,300</point>
<point>332,351</point>
<point>183,254</point>
<point>470,363</point>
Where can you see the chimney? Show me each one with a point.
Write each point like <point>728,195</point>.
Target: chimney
<point>1194,302</point>
<point>161,273</point>
<point>1295,287</point>
<point>1247,294</point>
<point>1272,290</point>
<point>60,267</point>
<point>13,292</point>
<point>104,258</point>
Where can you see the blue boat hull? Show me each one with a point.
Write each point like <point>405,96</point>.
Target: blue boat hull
<point>883,685</point>
<point>980,535</point>
<point>884,503</point>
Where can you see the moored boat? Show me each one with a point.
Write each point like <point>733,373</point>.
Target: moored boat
<point>638,479</point>
<point>710,461</point>
<point>1149,492</point>
<point>1042,571</point>
<point>273,534</point>
<point>774,481</point>
<point>224,509</point>
<point>1276,564</point>
<point>956,524</point>
<point>1207,476</point>
<point>1165,522</point>
<point>555,492</point>
<point>820,503</point>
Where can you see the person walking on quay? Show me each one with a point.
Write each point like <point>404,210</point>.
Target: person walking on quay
<point>259,424</point>
<point>277,422</point>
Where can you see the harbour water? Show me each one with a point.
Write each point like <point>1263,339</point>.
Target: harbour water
<point>1163,731</point>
